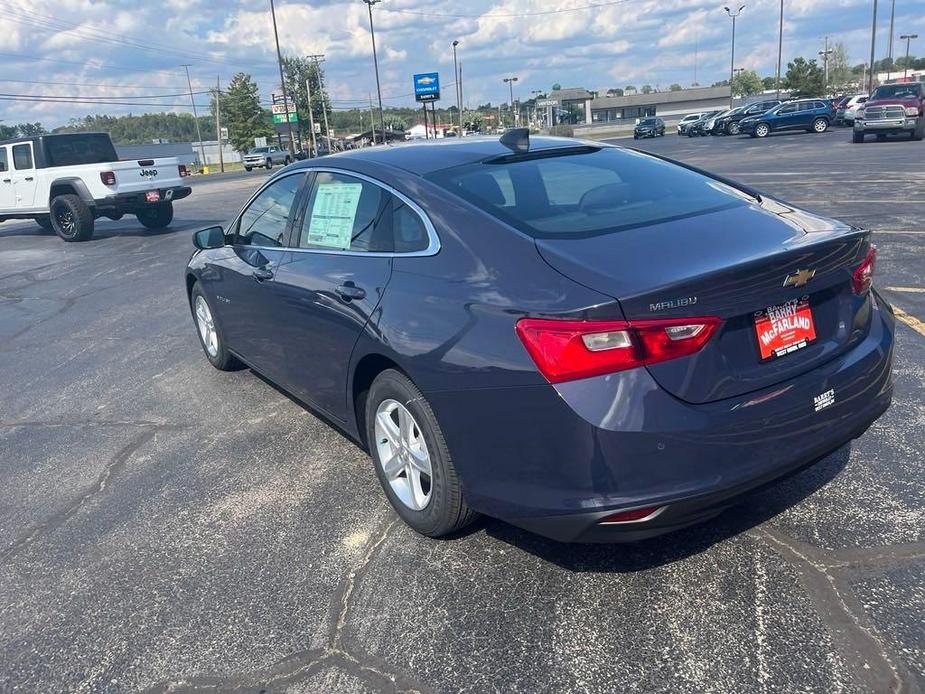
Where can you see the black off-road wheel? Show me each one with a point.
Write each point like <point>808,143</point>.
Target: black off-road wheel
<point>71,218</point>
<point>157,216</point>
<point>411,457</point>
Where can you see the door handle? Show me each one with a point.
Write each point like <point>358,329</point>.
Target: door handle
<point>29,178</point>
<point>7,180</point>
<point>348,291</point>
<point>262,273</point>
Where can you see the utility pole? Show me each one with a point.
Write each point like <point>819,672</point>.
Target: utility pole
<point>202,150</point>
<point>372,35</point>
<point>458,97</point>
<point>218,122</point>
<point>873,46</point>
<point>780,47</point>
<point>732,57</point>
<point>510,83</point>
<point>372,114</point>
<point>311,117</point>
<point>907,38</point>
<point>825,66</point>
<point>282,80</point>
<point>317,59</point>
<point>889,68</point>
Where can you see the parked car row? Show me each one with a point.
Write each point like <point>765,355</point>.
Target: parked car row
<point>891,109</point>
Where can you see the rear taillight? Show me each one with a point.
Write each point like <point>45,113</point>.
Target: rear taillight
<point>108,178</point>
<point>183,170</point>
<point>864,275</point>
<point>568,350</point>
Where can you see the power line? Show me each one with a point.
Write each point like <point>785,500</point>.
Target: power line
<point>538,13</point>
<point>67,98</point>
<point>26,98</point>
<point>89,84</point>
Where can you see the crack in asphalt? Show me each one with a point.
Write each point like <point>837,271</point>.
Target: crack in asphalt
<point>61,517</point>
<point>301,664</point>
<point>866,655</point>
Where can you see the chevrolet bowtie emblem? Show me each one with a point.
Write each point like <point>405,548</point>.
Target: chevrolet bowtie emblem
<point>799,278</point>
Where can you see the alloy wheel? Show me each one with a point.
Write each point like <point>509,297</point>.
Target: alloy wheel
<point>820,125</point>
<point>761,130</point>
<point>402,453</point>
<point>65,219</point>
<point>206,326</point>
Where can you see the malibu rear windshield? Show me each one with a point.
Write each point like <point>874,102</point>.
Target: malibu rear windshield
<point>587,193</point>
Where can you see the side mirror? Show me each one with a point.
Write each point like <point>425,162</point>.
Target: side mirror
<point>212,237</point>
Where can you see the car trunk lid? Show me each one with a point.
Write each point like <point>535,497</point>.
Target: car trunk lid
<point>732,264</point>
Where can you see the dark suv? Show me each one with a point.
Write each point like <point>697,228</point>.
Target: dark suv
<point>649,127</point>
<point>728,123</point>
<point>811,115</point>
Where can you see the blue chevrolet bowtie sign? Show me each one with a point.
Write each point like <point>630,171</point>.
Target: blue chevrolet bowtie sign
<point>427,87</point>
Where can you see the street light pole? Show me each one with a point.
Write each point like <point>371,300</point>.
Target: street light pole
<point>825,66</point>
<point>780,47</point>
<point>372,35</point>
<point>907,38</point>
<point>282,80</point>
<point>732,57</point>
<point>458,88</point>
<point>202,151</point>
<point>510,83</point>
<point>889,68</point>
<point>873,46</point>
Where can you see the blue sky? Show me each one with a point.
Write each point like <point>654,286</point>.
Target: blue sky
<point>101,50</point>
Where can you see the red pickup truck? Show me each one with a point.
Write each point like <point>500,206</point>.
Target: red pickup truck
<point>892,109</point>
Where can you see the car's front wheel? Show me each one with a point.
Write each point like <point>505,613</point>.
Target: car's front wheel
<point>820,125</point>
<point>248,168</point>
<point>762,130</point>
<point>411,457</point>
<point>210,334</point>
<point>157,216</point>
<point>269,164</point>
<point>732,129</point>
<point>857,137</point>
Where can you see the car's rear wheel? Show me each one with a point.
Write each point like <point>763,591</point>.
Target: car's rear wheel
<point>820,125</point>
<point>269,164</point>
<point>919,132</point>
<point>732,129</point>
<point>762,130</point>
<point>71,219</point>
<point>411,457</point>
<point>157,216</point>
<point>248,168</point>
<point>857,137</point>
<point>210,333</point>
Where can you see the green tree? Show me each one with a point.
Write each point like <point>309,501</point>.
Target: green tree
<point>746,83</point>
<point>675,87</point>
<point>629,88</point>
<point>297,72</point>
<point>556,87</point>
<point>7,132</point>
<point>804,78</point>
<point>769,82</point>
<point>30,129</point>
<point>242,113</point>
<point>614,92</point>
<point>840,77</point>
<point>646,89</point>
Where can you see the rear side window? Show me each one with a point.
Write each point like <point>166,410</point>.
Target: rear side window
<point>68,150</point>
<point>22,157</point>
<point>264,221</point>
<point>4,161</point>
<point>345,213</point>
<point>408,228</point>
<point>588,193</point>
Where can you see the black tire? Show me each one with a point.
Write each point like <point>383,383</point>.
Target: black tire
<point>45,223</point>
<point>857,138</point>
<point>269,164</point>
<point>732,128</point>
<point>157,216</point>
<point>71,219</point>
<point>762,130</point>
<point>248,168</point>
<point>919,132</point>
<point>287,161</point>
<point>223,360</point>
<point>881,137</point>
<point>635,137</point>
<point>446,512</point>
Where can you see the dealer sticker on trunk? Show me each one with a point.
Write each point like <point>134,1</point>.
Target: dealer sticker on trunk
<point>784,328</point>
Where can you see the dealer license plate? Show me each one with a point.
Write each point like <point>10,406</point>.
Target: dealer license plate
<point>153,195</point>
<point>785,328</point>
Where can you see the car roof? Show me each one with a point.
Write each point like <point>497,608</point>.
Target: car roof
<point>433,155</point>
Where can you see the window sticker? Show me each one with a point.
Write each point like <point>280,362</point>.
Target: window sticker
<point>333,215</point>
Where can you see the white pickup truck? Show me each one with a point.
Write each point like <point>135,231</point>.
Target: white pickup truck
<point>65,182</point>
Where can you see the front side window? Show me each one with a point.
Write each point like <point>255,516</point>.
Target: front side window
<point>788,108</point>
<point>264,221</point>
<point>4,161</point>
<point>345,213</point>
<point>22,157</point>
<point>588,193</point>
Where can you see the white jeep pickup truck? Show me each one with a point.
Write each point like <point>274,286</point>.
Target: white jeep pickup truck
<point>65,182</point>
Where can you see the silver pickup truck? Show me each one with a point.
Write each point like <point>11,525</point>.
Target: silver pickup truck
<point>266,157</point>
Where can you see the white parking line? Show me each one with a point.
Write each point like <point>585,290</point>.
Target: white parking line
<point>912,290</point>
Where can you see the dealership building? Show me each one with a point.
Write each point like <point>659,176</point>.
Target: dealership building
<point>580,107</point>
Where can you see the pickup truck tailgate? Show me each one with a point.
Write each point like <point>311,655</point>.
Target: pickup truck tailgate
<point>145,174</point>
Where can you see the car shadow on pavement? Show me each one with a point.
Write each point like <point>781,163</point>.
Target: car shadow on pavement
<point>109,231</point>
<point>750,511</point>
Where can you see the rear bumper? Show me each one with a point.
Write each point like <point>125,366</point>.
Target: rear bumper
<point>556,460</point>
<point>128,202</point>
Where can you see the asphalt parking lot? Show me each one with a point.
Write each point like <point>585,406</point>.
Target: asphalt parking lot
<point>167,527</point>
